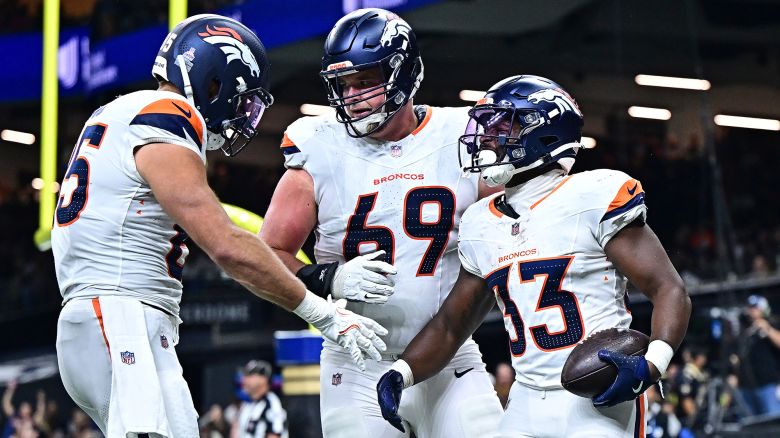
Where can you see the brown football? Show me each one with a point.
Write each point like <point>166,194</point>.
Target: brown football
<point>584,374</point>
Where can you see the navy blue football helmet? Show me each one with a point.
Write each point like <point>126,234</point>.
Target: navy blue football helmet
<point>366,39</point>
<point>522,123</point>
<point>220,66</point>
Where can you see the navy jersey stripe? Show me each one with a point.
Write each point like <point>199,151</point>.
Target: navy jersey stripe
<point>289,150</point>
<point>636,200</point>
<point>638,417</point>
<point>173,123</point>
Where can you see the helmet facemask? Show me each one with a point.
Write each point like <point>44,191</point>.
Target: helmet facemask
<point>495,136</point>
<point>390,68</point>
<point>248,109</point>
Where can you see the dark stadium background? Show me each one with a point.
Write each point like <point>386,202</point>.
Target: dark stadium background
<point>711,190</point>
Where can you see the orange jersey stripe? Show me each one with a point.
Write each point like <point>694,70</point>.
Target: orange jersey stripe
<point>99,315</point>
<point>493,209</point>
<point>286,142</point>
<point>178,108</point>
<point>627,192</point>
<point>553,191</point>
<point>641,415</point>
<point>428,111</point>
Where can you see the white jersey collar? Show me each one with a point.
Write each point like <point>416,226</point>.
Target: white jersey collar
<point>522,196</point>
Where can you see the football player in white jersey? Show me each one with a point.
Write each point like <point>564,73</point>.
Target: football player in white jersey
<point>135,188</point>
<point>377,185</point>
<point>556,250</point>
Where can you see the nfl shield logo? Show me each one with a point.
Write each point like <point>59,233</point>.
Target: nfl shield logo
<point>128,357</point>
<point>164,341</point>
<point>515,229</point>
<point>396,151</point>
<point>336,380</point>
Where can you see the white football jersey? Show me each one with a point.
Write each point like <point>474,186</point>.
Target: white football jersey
<point>547,267</point>
<point>404,197</point>
<point>110,235</point>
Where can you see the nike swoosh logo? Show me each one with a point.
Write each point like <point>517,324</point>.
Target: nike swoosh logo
<point>458,375</point>
<point>632,190</point>
<point>189,113</point>
<point>638,388</point>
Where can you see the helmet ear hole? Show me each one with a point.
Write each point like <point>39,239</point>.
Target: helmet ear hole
<point>214,88</point>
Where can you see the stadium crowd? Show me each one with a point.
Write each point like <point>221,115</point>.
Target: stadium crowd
<point>705,384</point>
<point>675,175</point>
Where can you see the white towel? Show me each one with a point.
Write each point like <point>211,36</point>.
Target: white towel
<point>136,404</point>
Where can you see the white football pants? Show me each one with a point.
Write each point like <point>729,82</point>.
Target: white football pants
<point>459,402</point>
<point>85,367</point>
<point>559,413</point>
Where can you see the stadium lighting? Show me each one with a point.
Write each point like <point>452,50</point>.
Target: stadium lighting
<point>643,112</point>
<point>17,136</point>
<point>588,142</point>
<point>309,109</point>
<point>747,122</point>
<point>672,82</point>
<point>471,95</point>
<point>37,184</point>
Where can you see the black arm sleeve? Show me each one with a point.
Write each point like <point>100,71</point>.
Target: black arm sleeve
<point>318,278</point>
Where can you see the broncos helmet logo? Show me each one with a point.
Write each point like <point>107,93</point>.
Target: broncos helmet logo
<point>231,44</point>
<point>395,28</point>
<point>560,98</point>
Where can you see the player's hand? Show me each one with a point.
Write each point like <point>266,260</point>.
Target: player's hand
<point>356,334</point>
<point>364,279</point>
<point>633,378</point>
<point>388,392</point>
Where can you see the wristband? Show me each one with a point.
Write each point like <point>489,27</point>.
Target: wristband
<point>406,372</point>
<point>318,278</point>
<point>660,354</point>
<point>312,308</point>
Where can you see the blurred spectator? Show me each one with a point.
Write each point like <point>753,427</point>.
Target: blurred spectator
<point>505,376</point>
<point>214,424</point>
<point>80,426</point>
<point>692,387</point>
<point>20,421</point>
<point>262,416</point>
<point>47,417</point>
<point>661,419</point>
<point>758,359</point>
<point>760,267</point>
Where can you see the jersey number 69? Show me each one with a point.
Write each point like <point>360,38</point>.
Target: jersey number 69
<point>437,233</point>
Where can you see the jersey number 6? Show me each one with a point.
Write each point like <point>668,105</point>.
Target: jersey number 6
<point>436,232</point>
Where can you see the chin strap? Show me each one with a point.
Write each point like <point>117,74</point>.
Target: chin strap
<point>501,174</point>
<point>214,141</point>
<point>369,123</point>
<point>186,79</point>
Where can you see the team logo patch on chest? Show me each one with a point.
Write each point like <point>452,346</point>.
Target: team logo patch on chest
<point>128,357</point>
<point>164,342</point>
<point>396,151</point>
<point>336,379</point>
<point>515,229</point>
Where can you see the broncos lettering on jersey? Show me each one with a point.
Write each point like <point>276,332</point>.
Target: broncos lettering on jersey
<point>405,197</point>
<point>110,235</point>
<point>547,266</point>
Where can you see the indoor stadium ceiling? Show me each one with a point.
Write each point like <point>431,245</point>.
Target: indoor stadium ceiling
<point>594,48</point>
<point>729,41</point>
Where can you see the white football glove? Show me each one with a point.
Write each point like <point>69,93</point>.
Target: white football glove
<point>364,279</point>
<point>356,334</point>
